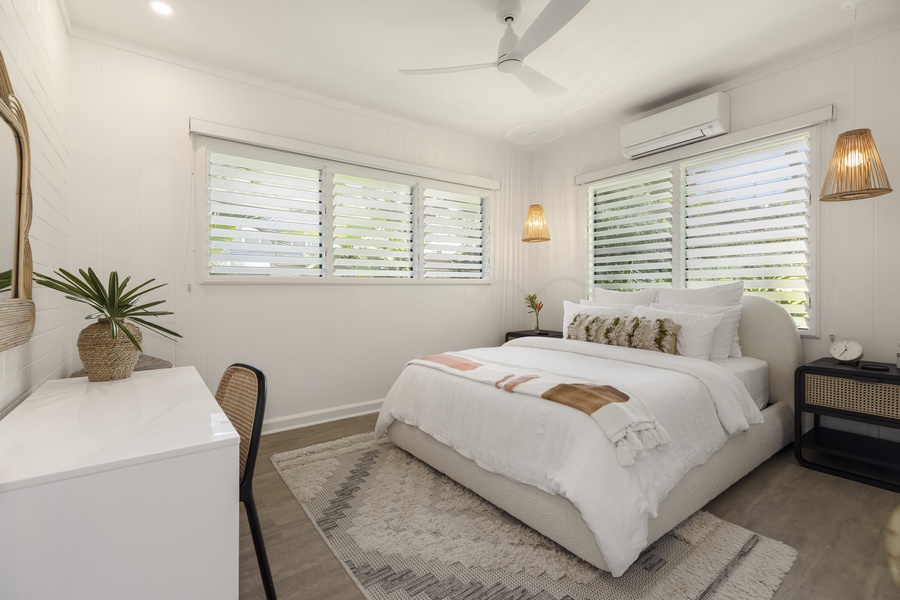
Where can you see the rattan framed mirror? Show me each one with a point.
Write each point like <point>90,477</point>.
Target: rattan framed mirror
<point>16,305</point>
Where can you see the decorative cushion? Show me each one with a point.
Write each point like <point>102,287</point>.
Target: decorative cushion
<point>726,294</point>
<point>601,296</point>
<point>570,309</point>
<point>696,334</point>
<point>658,335</point>
<point>725,339</point>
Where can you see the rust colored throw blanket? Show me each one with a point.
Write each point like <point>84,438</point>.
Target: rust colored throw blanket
<point>586,397</point>
<point>625,419</point>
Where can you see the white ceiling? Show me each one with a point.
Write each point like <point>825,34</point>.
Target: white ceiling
<point>614,58</point>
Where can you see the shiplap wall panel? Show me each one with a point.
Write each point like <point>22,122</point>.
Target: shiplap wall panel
<point>412,146</point>
<point>325,349</point>
<point>378,137</point>
<point>427,150</point>
<point>339,127</point>
<point>853,266</point>
<point>886,129</point>
<point>187,99</point>
<point>35,48</point>
<point>156,197</point>
<point>318,120</point>
<point>396,142</point>
<point>120,156</point>
<point>296,118</point>
<point>359,133</point>
<point>277,310</point>
<point>246,107</point>
<point>221,327</point>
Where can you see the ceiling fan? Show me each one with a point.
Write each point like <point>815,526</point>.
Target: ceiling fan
<point>513,49</point>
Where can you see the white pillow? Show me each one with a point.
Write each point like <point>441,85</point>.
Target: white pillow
<point>725,339</point>
<point>696,334</point>
<point>570,309</point>
<point>726,294</point>
<point>614,297</point>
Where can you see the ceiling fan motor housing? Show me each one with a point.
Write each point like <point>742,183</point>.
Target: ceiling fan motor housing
<point>508,11</point>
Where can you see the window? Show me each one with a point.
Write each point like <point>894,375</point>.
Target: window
<point>373,228</point>
<point>265,218</point>
<point>631,224</point>
<point>741,214</point>
<point>454,235</point>
<point>277,216</point>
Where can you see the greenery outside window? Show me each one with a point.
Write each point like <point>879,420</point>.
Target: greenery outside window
<point>275,216</point>
<point>736,214</point>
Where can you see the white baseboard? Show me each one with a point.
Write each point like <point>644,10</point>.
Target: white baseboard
<point>324,415</point>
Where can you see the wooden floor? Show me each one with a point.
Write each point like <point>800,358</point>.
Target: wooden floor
<point>836,525</point>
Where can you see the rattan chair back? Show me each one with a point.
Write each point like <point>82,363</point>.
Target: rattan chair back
<point>240,393</point>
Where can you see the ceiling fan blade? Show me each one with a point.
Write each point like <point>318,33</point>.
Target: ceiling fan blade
<point>540,84</point>
<point>447,69</point>
<point>553,18</point>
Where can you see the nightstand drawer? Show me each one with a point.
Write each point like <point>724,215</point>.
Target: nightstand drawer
<point>853,395</point>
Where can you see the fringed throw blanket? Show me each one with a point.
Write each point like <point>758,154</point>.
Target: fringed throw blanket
<point>624,418</point>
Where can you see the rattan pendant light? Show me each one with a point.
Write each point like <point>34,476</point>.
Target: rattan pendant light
<point>536,229</point>
<point>855,170</point>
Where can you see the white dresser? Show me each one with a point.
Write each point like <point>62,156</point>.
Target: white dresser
<point>124,489</point>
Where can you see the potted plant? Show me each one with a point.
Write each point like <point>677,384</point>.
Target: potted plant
<point>105,354</point>
<point>535,305</point>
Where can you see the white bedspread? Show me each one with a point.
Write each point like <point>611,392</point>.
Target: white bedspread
<point>561,450</point>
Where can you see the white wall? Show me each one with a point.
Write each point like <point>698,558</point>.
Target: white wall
<point>324,348</point>
<point>35,45</point>
<point>858,244</point>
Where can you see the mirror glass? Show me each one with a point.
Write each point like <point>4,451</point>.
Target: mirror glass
<point>9,174</point>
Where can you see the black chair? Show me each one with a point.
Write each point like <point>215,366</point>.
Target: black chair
<point>242,395</point>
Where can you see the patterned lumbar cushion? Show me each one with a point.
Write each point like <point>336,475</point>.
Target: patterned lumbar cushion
<point>629,332</point>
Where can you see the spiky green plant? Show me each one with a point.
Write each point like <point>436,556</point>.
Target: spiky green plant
<point>115,302</point>
<point>5,281</point>
<point>535,305</point>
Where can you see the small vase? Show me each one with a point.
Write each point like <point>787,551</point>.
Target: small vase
<point>537,324</point>
<point>105,358</point>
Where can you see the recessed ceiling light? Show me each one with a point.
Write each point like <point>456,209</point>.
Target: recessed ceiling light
<point>161,8</point>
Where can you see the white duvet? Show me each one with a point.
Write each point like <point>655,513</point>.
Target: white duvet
<point>561,450</point>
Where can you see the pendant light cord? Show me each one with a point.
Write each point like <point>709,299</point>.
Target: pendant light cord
<point>854,67</point>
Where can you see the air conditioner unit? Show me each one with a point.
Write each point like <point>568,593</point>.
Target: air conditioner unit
<point>692,122</point>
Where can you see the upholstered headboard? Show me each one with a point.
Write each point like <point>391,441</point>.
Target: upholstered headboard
<point>768,332</point>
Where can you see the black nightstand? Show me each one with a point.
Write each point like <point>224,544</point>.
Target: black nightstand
<point>853,393</point>
<point>511,335</point>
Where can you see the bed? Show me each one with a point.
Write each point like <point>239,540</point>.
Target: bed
<point>766,333</point>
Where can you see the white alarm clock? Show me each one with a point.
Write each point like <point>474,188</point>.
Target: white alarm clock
<point>847,351</point>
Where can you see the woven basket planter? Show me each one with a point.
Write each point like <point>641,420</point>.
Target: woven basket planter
<point>105,358</point>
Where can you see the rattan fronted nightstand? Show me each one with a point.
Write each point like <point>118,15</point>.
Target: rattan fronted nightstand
<point>849,392</point>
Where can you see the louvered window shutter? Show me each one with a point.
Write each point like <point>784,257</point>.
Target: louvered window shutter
<point>747,217</point>
<point>373,228</point>
<point>631,232</point>
<point>454,232</point>
<point>265,218</point>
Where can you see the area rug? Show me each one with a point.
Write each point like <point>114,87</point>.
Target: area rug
<point>403,530</point>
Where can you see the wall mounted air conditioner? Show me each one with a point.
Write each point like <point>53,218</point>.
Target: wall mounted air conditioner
<point>694,121</point>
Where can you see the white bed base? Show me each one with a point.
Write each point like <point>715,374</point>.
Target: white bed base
<point>766,332</point>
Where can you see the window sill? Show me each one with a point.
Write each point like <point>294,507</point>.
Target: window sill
<point>339,282</point>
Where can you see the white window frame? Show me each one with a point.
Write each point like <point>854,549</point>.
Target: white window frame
<point>676,165</point>
<point>204,144</point>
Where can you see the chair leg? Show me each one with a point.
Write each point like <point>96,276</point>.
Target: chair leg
<point>258,544</point>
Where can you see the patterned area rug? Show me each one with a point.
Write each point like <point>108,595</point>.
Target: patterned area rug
<point>403,530</point>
